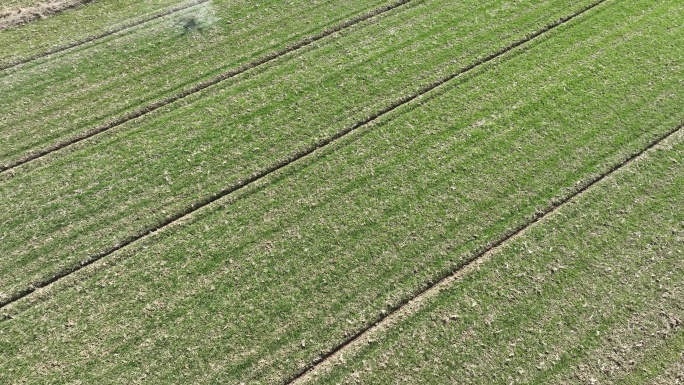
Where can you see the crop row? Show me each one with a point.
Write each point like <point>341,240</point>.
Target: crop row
<point>591,294</point>
<point>63,209</point>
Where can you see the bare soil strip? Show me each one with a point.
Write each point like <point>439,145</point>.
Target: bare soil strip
<point>298,155</point>
<point>201,86</point>
<point>412,304</point>
<point>93,38</point>
<point>16,17</point>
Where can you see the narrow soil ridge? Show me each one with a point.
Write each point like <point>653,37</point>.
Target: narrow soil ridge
<point>199,87</point>
<point>89,39</point>
<point>16,17</point>
<point>293,158</point>
<point>411,303</point>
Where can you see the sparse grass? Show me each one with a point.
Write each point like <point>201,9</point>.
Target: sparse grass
<point>65,208</point>
<point>16,4</point>
<point>57,99</point>
<point>255,287</point>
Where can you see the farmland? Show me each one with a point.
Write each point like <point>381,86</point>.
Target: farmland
<point>195,157</point>
<point>11,5</point>
<point>154,62</point>
<point>339,192</point>
<point>560,297</point>
<point>70,29</point>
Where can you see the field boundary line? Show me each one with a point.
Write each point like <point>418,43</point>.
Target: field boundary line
<point>193,207</point>
<point>414,302</point>
<point>17,17</point>
<point>201,86</point>
<point>103,35</point>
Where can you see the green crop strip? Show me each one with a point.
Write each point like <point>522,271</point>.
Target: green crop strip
<point>101,86</point>
<point>260,284</point>
<point>123,185</point>
<point>591,294</point>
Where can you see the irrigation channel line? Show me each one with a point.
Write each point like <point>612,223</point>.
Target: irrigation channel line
<point>100,36</point>
<point>405,307</point>
<point>202,85</point>
<point>293,158</point>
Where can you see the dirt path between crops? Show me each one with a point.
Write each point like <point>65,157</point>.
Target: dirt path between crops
<point>15,17</point>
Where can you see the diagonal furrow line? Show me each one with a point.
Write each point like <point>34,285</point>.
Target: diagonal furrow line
<point>403,308</point>
<point>201,86</point>
<point>297,155</point>
<point>103,35</point>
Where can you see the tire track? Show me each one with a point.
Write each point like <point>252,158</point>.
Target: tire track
<point>411,304</point>
<point>200,86</point>
<point>93,38</point>
<point>193,207</point>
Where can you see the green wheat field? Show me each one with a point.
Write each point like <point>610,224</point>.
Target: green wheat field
<point>342,192</point>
